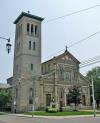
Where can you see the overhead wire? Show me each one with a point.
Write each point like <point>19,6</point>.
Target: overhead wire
<point>8,34</point>
<point>85,65</point>
<point>88,37</point>
<point>72,13</point>
<point>91,59</point>
<point>66,15</point>
<point>77,42</point>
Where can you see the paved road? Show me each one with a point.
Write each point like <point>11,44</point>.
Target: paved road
<point>16,119</point>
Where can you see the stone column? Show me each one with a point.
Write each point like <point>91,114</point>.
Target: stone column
<point>41,95</point>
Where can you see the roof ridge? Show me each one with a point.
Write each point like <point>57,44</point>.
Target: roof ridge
<point>28,15</point>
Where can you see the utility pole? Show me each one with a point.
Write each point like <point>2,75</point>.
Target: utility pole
<point>33,106</point>
<point>93,97</point>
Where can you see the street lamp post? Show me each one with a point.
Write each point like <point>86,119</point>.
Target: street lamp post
<point>33,106</point>
<point>8,45</point>
<point>93,97</point>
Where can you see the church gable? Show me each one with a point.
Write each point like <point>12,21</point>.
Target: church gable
<point>67,57</point>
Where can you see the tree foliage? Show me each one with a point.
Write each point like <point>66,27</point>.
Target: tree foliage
<point>95,74</point>
<point>74,95</point>
<point>5,98</point>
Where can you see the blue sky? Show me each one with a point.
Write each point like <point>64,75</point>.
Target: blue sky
<point>56,34</point>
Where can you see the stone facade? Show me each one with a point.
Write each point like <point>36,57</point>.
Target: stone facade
<point>36,85</point>
<point>58,75</point>
<point>27,59</point>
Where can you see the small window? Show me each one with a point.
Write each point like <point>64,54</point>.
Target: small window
<point>31,96</point>
<point>29,45</point>
<point>36,30</point>
<point>34,46</point>
<point>28,27</point>
<point>31,67</point>
<point>31,29</point>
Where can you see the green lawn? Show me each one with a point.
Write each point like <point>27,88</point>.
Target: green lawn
<point>68,113</point>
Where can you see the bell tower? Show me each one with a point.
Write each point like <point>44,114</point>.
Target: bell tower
<point>27,55</point>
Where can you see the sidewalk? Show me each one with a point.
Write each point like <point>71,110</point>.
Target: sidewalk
<point>53,117</point>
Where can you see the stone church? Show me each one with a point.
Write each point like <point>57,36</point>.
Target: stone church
<point>36,85</point>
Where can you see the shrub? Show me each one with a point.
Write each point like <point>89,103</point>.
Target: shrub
<point>51,110</point>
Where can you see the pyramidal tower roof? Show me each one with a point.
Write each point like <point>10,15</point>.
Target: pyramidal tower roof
<point>28,15</point>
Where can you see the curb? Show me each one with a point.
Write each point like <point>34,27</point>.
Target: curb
<point>53,117</point>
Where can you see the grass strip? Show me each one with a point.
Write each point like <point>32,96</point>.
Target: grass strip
<point>68,113</point>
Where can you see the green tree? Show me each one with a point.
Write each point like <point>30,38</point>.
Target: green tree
<point>95,74</point>
<point>74,96</point>
<point>5,98</point>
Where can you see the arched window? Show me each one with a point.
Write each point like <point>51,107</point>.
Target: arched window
<point>29,45</point>
<point>34,46</point>
<point>48,99</point>
<point>32,67</point>
<point>28,28</point>
<point>83,100</point>
<point>36,30</point>
<point>32,29</point>
<point>31,96</point>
